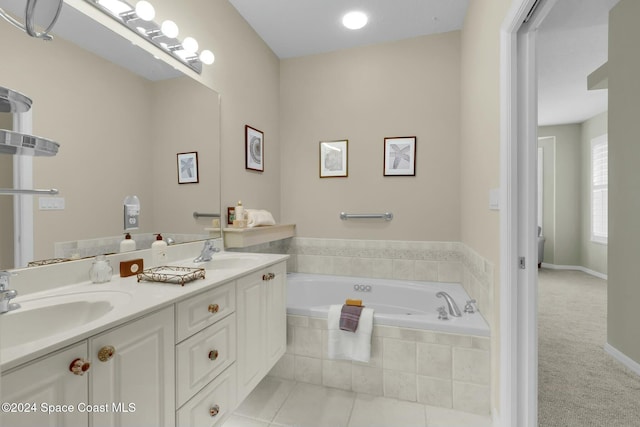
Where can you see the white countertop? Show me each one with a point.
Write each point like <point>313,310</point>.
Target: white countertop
<point>144,297</point>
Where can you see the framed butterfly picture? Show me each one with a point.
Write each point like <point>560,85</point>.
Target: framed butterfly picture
<point>400,156</point>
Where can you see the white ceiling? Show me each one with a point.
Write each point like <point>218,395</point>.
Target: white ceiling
<point>572,43</point>
<point>572,40</point>
<point>295,28</point>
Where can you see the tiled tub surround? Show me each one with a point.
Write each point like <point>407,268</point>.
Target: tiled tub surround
<point>435,368</point>
<point>390,259</point>
<point>439,369</point>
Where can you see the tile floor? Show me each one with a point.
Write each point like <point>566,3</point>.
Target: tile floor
<point>276,402</point>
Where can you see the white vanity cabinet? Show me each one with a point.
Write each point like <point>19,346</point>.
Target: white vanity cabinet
<point>205,357</point>
<point>46,381</point>
<point>261,316</point>
<point>132,373</point>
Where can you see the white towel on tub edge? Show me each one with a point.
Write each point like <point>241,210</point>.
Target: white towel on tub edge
<point>349,345</point>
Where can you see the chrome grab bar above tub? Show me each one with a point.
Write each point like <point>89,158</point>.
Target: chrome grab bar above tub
<point>197,215</point>
<point>387,216</point>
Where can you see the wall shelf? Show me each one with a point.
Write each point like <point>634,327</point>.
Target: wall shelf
<point>243,237</point>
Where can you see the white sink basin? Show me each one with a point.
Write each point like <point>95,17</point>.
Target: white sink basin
<point>42,317</point>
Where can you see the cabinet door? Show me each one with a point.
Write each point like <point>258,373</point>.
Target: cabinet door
<point>137,383</point>
<point>276,312</point>
<point>250,312</point>
<point>50,382</point>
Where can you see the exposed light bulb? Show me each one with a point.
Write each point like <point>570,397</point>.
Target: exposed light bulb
<point>190,44</point>
<point>145,10</point>
<point>207,57</point>
<point>169,29</point>
<point>354,20</point>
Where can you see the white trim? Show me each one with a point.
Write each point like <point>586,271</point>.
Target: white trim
<point>577,268</point>
<point>23,242</point>
<point>622,358</point>
<point>518,142</point>
<point>495,417</point>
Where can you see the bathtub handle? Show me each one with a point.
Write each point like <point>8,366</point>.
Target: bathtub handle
<point>442,313</point>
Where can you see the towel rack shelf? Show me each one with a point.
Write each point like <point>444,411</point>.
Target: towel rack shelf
<point>387,216</point>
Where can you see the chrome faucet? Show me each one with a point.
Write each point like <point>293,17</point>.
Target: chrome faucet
<point>453,308</point>
<point>7,294</point>
<point>207,252</point>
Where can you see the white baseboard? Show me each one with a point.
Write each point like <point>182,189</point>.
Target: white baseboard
<point>495,418</point>
<point>622,358</point>
<point>575,267</point>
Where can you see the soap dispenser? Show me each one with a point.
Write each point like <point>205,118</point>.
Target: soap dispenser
<point>159,251</point>
<point>239,211</point>
<point>128,244</point>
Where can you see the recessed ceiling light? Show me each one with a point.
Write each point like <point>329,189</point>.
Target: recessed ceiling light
<point>354,20</point>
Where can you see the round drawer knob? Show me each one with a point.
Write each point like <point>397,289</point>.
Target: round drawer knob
<point>79,366</point>
<point>213,308</point>
<point>106,353</point>
<point>213,354</point>
<point>214,410</point>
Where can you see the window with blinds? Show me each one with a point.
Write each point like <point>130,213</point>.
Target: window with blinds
<point>599,189</point>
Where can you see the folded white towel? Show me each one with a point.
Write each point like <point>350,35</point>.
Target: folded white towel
<point>350,345</point>
<point>257,217</point>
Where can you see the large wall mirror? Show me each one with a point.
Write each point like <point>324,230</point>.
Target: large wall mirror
<point>120,130</point>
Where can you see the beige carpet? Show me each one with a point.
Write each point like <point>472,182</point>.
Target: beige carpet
<point>579,384</point>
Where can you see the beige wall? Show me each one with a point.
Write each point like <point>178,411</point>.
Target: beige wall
<point>592,255</point>
<point>406,88</point>
<point>567,215</point>
<point>624,181</point>
<point>480,143</point>
<point>246,74</point>
<point>548,145</point>
<point>569,238</point>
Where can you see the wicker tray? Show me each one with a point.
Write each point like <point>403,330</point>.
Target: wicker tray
<point>170,274</point>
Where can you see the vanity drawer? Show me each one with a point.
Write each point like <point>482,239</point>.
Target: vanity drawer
<point>213,404</point>
<point>202,357</point>
<point>204,309</point>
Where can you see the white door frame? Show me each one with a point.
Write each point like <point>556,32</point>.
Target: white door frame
<point>518,219</point>
<point>23,241</point>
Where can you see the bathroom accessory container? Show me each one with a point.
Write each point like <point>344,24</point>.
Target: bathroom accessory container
<point>128,244</point>
<point>101,270</point>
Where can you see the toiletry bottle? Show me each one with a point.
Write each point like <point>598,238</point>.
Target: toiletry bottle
<point>239,210</point>
<point>159,251</point>
<point>128,244</point>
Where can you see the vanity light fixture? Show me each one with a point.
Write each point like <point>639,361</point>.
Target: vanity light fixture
<point>164,36</point>
<point>354,20</point>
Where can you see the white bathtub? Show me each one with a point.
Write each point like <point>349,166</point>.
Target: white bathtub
<point>400,303</point>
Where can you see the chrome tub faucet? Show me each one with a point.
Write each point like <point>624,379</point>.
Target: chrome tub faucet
<point>207,252</point>
<point>453,308</point>
<point>7,294</point>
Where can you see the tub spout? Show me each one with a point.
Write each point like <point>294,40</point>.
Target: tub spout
<point>453,308</point>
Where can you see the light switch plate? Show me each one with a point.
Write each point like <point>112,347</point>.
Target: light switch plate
<point>494,199</point>
<point>51,203</point>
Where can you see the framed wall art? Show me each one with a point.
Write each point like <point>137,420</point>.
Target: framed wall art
<point>334,159</point>
<point>188,168</point>
<point>254,149</point>
<point>400,156</point>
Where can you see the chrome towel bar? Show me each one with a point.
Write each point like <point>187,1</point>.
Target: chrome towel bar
<point>5,191</point>
<point>387,216</point>
<point>197,215</point>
